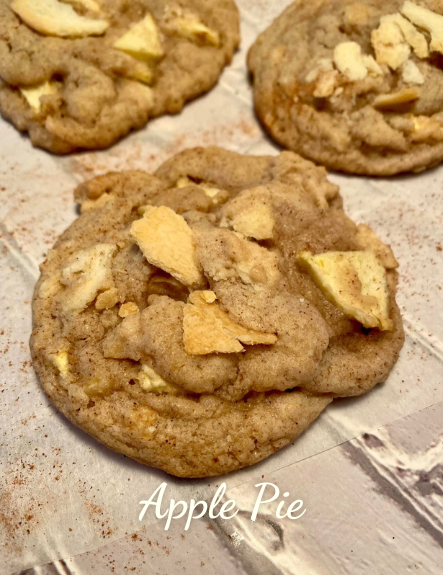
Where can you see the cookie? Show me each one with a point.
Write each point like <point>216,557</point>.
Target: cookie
<point>81,74</point>
<point>355,86</point>
<point>200,319</point>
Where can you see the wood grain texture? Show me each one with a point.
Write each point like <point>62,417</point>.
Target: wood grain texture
<point>374,506</point>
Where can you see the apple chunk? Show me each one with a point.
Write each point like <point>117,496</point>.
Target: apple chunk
<point>355,282</point>
<point>33,94</point>
<point>142,40</point>
<point>53,18</point>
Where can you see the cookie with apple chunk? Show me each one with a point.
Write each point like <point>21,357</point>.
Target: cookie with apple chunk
<point>81,74</point>
<point>354,86</point>
<point>200,319</point>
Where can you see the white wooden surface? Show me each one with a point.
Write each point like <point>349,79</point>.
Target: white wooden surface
<point>374,507</point>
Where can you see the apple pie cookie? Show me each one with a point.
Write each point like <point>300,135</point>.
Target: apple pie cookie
<point>80,74</point>
<point>200,319</point>
<point>355,86</point>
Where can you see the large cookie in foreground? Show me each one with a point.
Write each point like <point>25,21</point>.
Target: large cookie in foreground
<point>201,319</point>
<point>355,86</point>
<point>81,74</point>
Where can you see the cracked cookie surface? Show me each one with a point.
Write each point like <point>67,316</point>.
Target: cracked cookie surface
<point>354,86</point>
<point>200,319</point>
<point>81,75</point>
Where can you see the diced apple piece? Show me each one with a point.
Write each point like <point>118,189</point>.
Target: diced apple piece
<point>34,93</point>
<point>208,329</point>
<point>142,40</point>
<point>88,273</point>
<point>167,242</point>
<point>405,96</point>
<point>427,20</point>
<point>355,282</point>
<point>53,18</point>
<point>196,31</point>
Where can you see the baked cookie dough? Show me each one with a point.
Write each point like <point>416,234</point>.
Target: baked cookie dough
<point>201,319</point>
<point>81,74</point>
<point>355,86</point>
